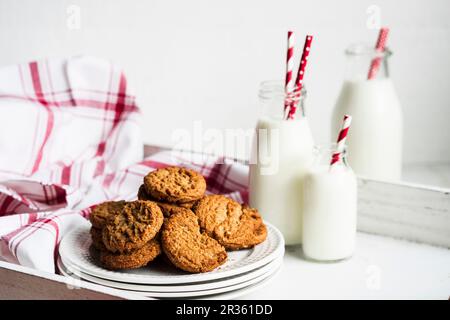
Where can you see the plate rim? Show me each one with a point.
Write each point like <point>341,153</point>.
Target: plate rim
<point>196,293</point>
<point>181,287</point>
<point>179,279</point>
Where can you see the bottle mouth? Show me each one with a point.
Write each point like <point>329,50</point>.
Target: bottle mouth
<point>275,88</point>
<point>364,50</point>
<point>327,148</point>
<point>323,153</point>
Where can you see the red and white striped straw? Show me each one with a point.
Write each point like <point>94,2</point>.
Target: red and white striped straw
<point>379,47</point>
<point>289,82</point>
<point>336,157</point>
<point>300,75</point>
<point>290,62</point>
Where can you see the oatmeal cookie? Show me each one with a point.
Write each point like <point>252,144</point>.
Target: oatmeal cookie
<point>97,240</point>
<point>131,260</point>
<point>137,223</point>
<point>234,226</point>
<point>187,205</point>
<point>175,185</point>
<point>189,249</point>
<point>166,207</point>
<point>170,209</point>
<point>143,195</point>
<point>250,231</point>
<point>101,212</point>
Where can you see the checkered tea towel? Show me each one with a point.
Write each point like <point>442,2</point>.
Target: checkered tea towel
<point>70,138</point>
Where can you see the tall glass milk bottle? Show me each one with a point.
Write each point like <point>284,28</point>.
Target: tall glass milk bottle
<point>375,145</point>
<point>282,155</point>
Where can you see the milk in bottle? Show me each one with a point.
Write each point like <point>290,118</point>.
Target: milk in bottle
<point>375,146</point>
<point>282,157</point>
<point>329,216</point>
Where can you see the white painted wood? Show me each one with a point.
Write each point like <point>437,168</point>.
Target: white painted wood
<point>18,282</point>
<point>404,210</point>
<point>430,174</point>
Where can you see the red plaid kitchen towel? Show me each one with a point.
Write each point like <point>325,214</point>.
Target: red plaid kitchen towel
<point>70,138</point>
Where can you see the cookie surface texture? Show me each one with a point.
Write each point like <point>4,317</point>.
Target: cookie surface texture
<point>175,185</point>
<point>137,223</point>
<point>97,240</point>
<point>131,260</point>
<point>101,212</point>
<point>166,208</point>
<point>189,249</point>
<point>231,224</point>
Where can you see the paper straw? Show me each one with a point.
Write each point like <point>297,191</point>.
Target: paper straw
<point>337,156</point>
<point>289,82</point>
<point>290,62</point>
<point>300,74</point>
<point>379,47</point>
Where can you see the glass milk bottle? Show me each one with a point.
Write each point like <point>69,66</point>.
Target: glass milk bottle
<point>375,145</point>
<point>329,215</point>
<point>282,155</point>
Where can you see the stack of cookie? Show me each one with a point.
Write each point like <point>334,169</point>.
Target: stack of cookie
<point>196,231</point>
<point>125,233</point>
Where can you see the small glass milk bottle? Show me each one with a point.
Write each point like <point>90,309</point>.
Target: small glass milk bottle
<point>282,155</point>
<point>375,146</point>
<point>329,215</point>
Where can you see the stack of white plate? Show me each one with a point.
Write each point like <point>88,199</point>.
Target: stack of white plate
<point>244,271</point>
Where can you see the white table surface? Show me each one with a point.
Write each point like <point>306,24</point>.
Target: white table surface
<point>381,268</point>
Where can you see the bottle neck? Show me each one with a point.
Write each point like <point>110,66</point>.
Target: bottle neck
<point>273,98</point>
<point>366,63</point>
<point>324,153</point>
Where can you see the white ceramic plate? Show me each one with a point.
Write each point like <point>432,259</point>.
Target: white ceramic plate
<point>181,294</point>
<point>197,286</point>
<point>74,250</point>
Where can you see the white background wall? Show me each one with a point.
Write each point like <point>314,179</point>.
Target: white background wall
<point>200,59</point>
